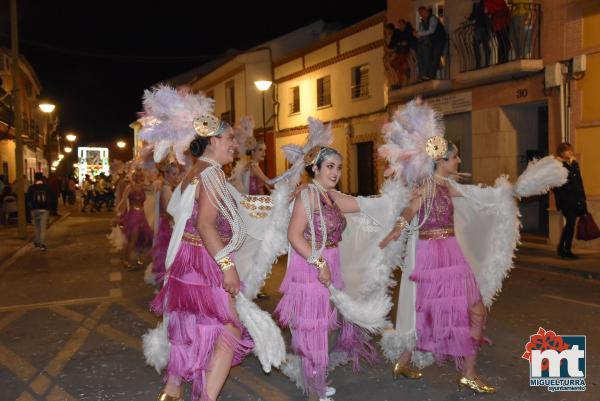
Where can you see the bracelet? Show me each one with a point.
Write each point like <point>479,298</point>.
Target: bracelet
<point>401,223</point>
<point>225,263</point>
<point>319,263</point>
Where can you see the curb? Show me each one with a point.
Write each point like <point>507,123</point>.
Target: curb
<point>589,275</point>
<point>5,264</point>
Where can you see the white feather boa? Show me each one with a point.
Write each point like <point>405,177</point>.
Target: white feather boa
<point>486,223</point>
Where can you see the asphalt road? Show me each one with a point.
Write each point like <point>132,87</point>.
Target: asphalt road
<point>71,320</point>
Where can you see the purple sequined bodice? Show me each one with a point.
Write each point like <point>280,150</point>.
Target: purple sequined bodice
<point>335,223</point>
<point>137,198</point>
<point>442,212</point>
<point>256,185</point>
<point>222,225</point>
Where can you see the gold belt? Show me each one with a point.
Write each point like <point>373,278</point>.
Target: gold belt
<point>192,239</point>
<point>437,233</point>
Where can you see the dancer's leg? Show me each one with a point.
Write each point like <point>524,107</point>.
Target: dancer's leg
<point>477,318</point>
<point>220,363</point>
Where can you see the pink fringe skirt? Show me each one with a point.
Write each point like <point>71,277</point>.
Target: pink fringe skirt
<point>159,249</point>
<point>198,309</point>
<point>135,221</point>
<point>306,309</point>
<point>446,290</point>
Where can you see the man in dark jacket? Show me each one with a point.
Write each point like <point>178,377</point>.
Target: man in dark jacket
<point>432,41</point>
<point>570,199</point>
<point>41,197</point>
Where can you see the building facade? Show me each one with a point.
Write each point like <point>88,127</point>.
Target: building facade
<point>37,126</point>
<point>339,80</point>
<point>513,90</point>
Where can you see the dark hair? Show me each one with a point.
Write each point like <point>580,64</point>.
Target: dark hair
<point>563,147</point>
<point>452,149</point>
<point>198,145</point>
<point>390,26</point>
<point>323,154</point>
<point>258,143</point>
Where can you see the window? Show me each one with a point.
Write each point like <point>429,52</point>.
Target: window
<point>295,100</point>
<point>324,91</point>
<point>360,81</point>
<point>230,100</point>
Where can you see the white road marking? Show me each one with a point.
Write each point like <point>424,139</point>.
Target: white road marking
<point>591,304</point>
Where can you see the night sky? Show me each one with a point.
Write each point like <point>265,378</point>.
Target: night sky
<point>95,58</point>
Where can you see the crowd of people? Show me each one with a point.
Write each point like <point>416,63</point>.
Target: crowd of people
<point>213,238</point>
<point>496,29</point>
<point>415,55</point>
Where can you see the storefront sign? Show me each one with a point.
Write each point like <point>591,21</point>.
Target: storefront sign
<point>453,103</point>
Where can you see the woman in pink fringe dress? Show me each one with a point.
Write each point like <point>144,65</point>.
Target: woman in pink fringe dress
<point>136,229</point>
<point>205,334</point>
<point>450,314</point>
<point>169,178</point>
<point>313,266</point>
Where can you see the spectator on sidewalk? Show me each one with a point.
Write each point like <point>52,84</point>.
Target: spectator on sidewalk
<point>87,189</point>
<point>432,41</point>
<point>570,199</point>
<point>72,191</point>
<point>55,187</point>
<point>64,189</point>
<point>40,195</point>
<point>8,204</point>
<point>3,182</point>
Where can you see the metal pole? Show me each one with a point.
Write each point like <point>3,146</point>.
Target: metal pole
<point>18,122</point>
<point>264,127</point>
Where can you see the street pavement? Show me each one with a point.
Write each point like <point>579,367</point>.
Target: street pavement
<point>71,321</point>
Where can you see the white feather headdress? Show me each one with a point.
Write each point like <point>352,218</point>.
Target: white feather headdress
<point>168,119</point>
<point>407,137</point>
<point>244,134</point>
<point>318,135</point>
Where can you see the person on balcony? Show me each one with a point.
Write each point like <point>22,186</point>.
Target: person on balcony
<point>401,44</point>
<point>432,41</point>
<point>500,15</point>
<point>520,28</point>
<point>481,33</point>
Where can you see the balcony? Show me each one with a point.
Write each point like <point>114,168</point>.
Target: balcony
<point>403,71</point>
<point>490,50</point>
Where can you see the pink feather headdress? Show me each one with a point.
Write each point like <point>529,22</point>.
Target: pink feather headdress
<point>413,140</point>
<point>168,119</point>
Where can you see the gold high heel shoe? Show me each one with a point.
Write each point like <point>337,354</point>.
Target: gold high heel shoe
<point>405,371</point>
<point>476,385</point>
<point>166,397</point>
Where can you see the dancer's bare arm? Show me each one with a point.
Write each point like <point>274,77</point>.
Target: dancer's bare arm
<point>408,213</point>
<point>346,203</point>
<point>207,215</point>
<point>298,224</point>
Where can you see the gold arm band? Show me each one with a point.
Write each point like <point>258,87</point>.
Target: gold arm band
<point>225,263</point>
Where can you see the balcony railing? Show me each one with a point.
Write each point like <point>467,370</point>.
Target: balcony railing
<point>483,42</point>
<point>403,69</point>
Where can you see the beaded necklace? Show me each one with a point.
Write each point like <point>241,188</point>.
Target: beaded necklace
<point>214,182</point>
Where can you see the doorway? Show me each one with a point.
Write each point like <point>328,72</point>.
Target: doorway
<point>531,123</point>
<point>366,171</point>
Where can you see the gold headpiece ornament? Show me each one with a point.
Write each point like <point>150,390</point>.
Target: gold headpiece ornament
<point>436,147</point>
<point>208,125</point>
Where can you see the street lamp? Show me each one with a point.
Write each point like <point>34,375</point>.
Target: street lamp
<point>263,86</point>
<point>47,107</point>
<point>68,149</point>
<point>71,137</point>
<point>61,156</point>
<point>121,144</point>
